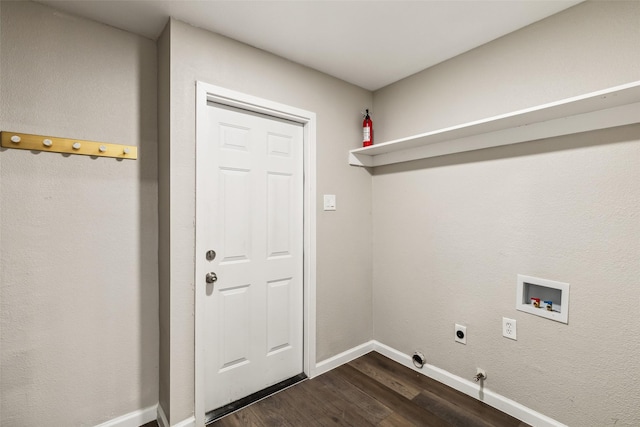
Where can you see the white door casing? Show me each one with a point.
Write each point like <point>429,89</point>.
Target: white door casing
<point>287,287</point>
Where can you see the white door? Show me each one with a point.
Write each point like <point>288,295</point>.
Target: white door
<point>251,215</point>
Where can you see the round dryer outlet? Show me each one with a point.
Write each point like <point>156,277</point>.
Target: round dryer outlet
<point>461,334</point>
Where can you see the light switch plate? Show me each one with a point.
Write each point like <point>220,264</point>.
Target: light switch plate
<point>329,202</point>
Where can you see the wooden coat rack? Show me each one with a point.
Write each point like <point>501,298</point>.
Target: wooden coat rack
<point>24,141</point>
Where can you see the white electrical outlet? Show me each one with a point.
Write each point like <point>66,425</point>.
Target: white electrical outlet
<point>460,334</point>
<point>509,328</point>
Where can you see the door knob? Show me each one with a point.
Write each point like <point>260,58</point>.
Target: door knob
<point>211,277</point>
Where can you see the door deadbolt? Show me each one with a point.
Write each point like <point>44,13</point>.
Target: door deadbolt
<point>211,277</point>
<point>211,255</point>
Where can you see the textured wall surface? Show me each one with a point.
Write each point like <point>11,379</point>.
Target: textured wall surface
<point>451,233</point>
<point>344,317</point>
<point>78,242</point>
<point>79,296</point>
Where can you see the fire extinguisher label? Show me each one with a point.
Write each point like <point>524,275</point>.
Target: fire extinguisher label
<point>366,134</point>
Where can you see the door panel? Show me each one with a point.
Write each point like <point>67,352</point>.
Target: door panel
<point>278,315</point>
<point>254,209</point>
<point>234,314</point>
<point>278,210</point>
<point>235,221</point>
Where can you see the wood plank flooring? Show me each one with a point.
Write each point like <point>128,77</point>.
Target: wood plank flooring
<point>369,391</point>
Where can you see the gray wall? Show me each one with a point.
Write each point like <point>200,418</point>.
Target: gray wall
<point>78,241</point>
<point>79,236</point>
<point>451,233</point>
<point>344,299</point>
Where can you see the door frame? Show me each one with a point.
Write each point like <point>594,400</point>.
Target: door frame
<point>206,93</point>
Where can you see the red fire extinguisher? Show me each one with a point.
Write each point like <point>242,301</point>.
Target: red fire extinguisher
<point>367,130</point>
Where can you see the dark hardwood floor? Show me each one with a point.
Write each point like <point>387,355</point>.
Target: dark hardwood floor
<point>369,391</point>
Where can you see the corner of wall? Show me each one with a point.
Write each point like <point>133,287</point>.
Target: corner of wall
<point>164,197</point>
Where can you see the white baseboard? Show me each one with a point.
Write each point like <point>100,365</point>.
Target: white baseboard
<point>133,419</point>
<point>508,406</point>
<point>162,417</point>
<point>342,358</point>
<point>163,422</point>
<point>189,422</point>
<point>470,388</point>
<point>465,386</point>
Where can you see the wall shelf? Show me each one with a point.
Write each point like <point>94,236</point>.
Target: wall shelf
<point>616,106</point>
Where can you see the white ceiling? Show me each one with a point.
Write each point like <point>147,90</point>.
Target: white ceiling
<point>368,43</point>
